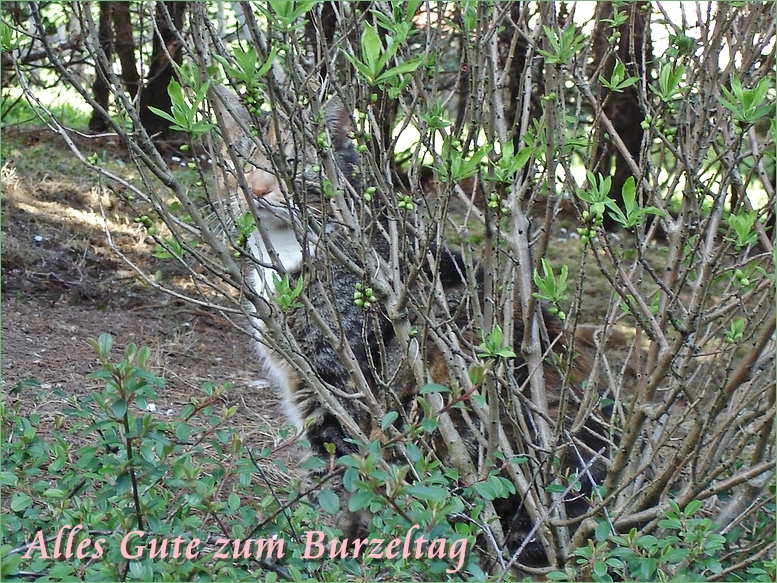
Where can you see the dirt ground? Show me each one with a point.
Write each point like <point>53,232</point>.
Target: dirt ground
<point>62,284</point>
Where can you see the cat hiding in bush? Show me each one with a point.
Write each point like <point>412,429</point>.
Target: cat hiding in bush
<point>342,357</point>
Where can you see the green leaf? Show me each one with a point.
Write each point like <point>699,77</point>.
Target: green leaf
<point>492,345</point>
<point>8,38</point>
<point>366,71</point>
<point>20,502</point>
<point>428,493</point>
<point>564,46</point>
<point>434,388</point>
<point>123,483</point>
<point>411,8</point>
<point>743,225</point>
<point>429,425</point>
<point>200,95</point>
<point>602,531</point>
<point>119,408</point>
<point>712,564</point>
<point>105,343</point>
<point>496,336</point>
<point>615,563</point>
<point>458,168</point>
<point>484,490</point>
<point>388,419</point>
<point>313,463</point>
<point>360,500</point>
<point>371,50</point>
<point>174,123</point>
<point>691,508</point>
<point>414,452</point>
<point>8,478</point>
<point>329,501</point>
<point>267,64</point>
<point>406,67</point>
<point>629,194</point>
<point>647,567</point>
<point>618,81</point>
<point>233,502</point>
<point>600,569</point>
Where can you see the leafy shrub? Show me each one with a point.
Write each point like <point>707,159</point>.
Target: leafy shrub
<point>186,479</point>
<point>685,549</point>
<point>191,478</point>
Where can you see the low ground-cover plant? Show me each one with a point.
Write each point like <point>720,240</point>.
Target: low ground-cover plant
<point>688,548</point>
<point>109,466</point>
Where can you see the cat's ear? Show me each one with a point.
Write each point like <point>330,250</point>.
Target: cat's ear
<point>235,115</point>
<point>338,123</point>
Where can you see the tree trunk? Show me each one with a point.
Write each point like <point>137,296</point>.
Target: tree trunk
<point>100,89</point>
<point>166,47</point>
<point>313,33</point>
<point>622,108</point>
<point>118,37</point>
<point>125,46</point>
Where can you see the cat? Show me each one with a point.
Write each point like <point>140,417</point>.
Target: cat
<point>333,330</point>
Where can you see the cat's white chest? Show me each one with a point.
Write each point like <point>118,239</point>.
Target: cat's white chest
<point>289,252</point>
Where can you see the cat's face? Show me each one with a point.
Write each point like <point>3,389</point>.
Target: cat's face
<point>279,166</point>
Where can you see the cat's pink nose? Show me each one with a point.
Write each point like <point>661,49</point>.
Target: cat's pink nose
<point>262,183</point>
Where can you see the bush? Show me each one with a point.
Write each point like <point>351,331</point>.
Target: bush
<point>191,478</point>
<point>186,483</point>
<point>496,128</point>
